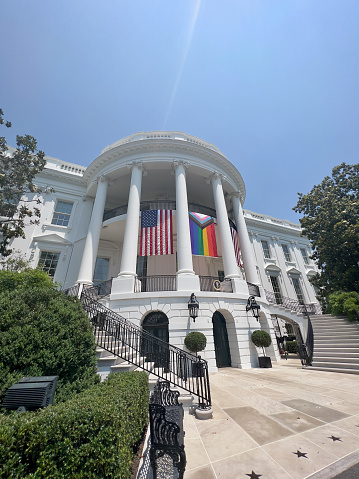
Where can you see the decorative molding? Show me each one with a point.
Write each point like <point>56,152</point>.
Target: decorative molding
<point>274,238</point>
<point>177,163</point>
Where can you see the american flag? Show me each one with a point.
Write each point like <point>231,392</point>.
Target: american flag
<point>156,233</point>
<point>236,245</point>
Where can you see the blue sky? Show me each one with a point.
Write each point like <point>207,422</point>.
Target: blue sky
<point>272,83</point>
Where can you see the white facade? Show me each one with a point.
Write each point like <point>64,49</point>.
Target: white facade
<point>95,212</point>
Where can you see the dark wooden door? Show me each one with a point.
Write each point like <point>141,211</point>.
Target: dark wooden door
<point>156,323</point>
<point>221,345</point>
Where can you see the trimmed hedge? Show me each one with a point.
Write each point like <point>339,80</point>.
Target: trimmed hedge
<point>44,333</point>
<point>90,436</point>
<point>195,341</point>
<point>291,346</point>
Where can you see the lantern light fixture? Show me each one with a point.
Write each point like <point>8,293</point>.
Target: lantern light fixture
<point>254,306</point>
<point>193,307</point>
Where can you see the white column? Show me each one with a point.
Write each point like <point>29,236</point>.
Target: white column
<point>93,236</point>
<point>125,281</point>
<point>244,241</point>
<point>186,278</point>
<point>228,255</point>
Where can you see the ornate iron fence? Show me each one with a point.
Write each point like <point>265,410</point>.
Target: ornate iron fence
<point>131,343</point>
<point>293,304</point>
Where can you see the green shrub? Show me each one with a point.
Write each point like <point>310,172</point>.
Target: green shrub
<point>342,303</point>
<point>195,341</point>
<point>261,339</point>
<point>90,436</point>
<point>43,332</point>
<point>291,346</point>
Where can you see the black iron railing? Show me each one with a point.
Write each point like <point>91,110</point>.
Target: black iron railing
<point>100,290</point>
<point>213,283</point>
<point>293,304</point>
<point>306,347</point>
<point>131,343</point>
<point>155,283</point>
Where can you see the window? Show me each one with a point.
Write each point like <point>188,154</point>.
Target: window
<point>286,252</point>
<point>142,266</point>
<point>266,249</point>
<point>305,256</point>
<point>276,289</point>
<point>48,262</point>
<point>101,270</point>
<point>62,213</point>
<point>298,290</point>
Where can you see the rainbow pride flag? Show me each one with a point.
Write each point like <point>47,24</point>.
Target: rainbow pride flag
<point>203,235</point>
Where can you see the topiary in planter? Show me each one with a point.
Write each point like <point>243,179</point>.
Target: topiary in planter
<point>261,339</point>
<point>195,342</point>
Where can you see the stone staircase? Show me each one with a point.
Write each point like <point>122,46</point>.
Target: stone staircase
<point>336,344</point>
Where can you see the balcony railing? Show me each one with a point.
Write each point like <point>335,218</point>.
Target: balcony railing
<point>155,283</point>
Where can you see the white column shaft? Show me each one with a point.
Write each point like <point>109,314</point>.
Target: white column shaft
<point>130,241</point>
<point>244,241</point>
<point>184,250</point>
<point>93,236</point>
<point>228,255</point>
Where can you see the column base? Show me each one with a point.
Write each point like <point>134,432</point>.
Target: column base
<point>239,286</point>
<point>122,284</point>
<point>188,282</point>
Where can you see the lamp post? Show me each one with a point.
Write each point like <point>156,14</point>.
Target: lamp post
<point>193,307</point>
<point>253,306</point>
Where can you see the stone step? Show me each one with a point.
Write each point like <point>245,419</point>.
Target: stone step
<point>336,337</point>
<point>337,359</point>
<point>333,370</point>
<point>340,341</point>
<point>334,349</point>
<point>333,354</point>
<point>326,316</point>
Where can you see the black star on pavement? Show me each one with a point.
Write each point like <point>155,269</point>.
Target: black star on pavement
<point>254,475</point>
<point>301,454</point>
<point>335,438</point>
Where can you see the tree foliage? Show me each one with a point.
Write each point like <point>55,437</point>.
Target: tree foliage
<point>344,303</point>
<point>331,222</point>
<point>43,333</point>
<point>261,339</point>
<point>195,341</point>
<point>17,191</point>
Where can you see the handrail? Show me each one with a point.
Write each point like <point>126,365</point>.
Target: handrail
<point>305,348</point>
<point>293,304</point>
<point>164,282</point>
<point>139,347</point>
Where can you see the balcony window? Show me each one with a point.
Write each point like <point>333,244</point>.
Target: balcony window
<point>266,250</point>
<point>298,290</point>
<point>62,213</point>
<point>48,262</point>
<point>286,253</point>
<point>101,270</point>
<point>305,255</point>
<point>276,289</point>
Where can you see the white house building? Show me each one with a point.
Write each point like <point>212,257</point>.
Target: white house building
<point>160,214</point>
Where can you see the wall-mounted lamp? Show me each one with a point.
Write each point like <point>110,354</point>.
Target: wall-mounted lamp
<point>193,307</point>
<point>254,306</point>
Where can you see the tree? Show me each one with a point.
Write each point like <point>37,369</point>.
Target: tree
<point>17,190</point>
<point>331,222</point>
<point>261,339</point>
<point>44,333</point>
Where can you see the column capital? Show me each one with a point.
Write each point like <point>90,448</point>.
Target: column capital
<point>139,165</point>
<point>215,176</point>
<point>100,179</point>
<point>177,163</point>
<point>237,194</point>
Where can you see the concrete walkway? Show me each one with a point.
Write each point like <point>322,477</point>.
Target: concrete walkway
<point>279,423</point>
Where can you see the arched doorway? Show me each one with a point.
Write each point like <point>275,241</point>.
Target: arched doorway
<point>221,344</point>
<point>156,323</point>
